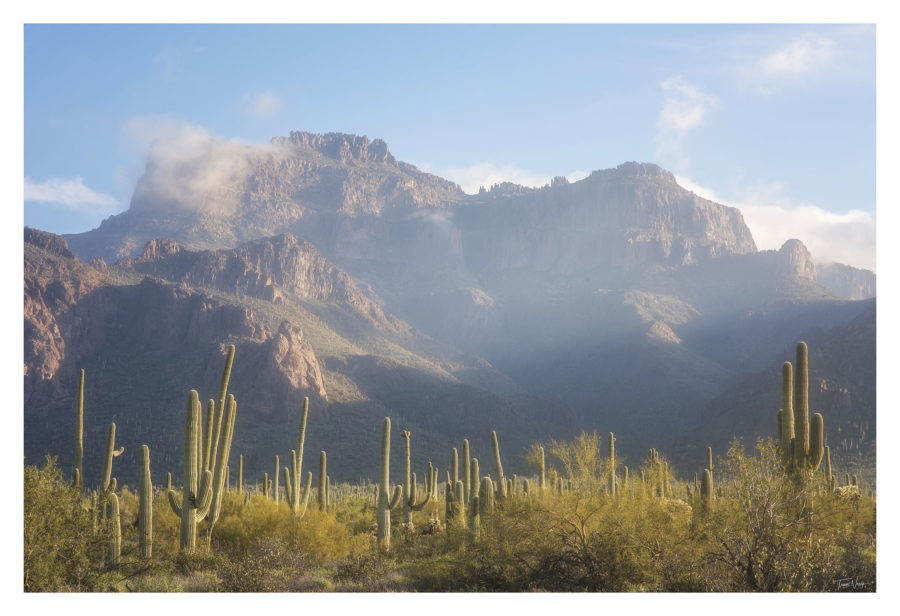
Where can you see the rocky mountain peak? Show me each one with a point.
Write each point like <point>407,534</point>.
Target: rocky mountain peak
<point>794,259</point>
<point>340,146</point>
<point>54,244</point>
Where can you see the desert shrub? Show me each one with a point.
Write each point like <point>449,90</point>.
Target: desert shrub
<point>62,553</point>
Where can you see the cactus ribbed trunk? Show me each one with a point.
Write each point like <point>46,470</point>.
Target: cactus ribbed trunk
<point>275,478</point>
<point>78,472</point>
<point>612,465</point>
<point>145,508</point>
<point>298,498</point>
<point>114,549</point>
<point>801,407</point>
<point>323,480</point>
<point>467,470</point>
<point>498,467</point>
<point>542,481</point>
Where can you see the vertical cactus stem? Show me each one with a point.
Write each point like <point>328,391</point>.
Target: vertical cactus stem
<point>114,549</point>
<point>454,466</point>
<point>266,485</point>
<point>475,514</point>
<point>323,498</point>
<point>168,482</point>
<point>240,482</point>
<point>474,478</point>
<point>709,459</point>
<point>498,467</point>
<point>145,506</point>
<point>542,481</point>
<point>208,434</point>
<point>816,442</point>
<point>459,499</point>
<point>218,477</point>
<point>78,471</point>
<point>706,491</point>
<point>829,478</point>
<point>612,465</point>
<point>327,492</point>
<point>466,470</point>
<point>801,407</point>
<point>383,510</point>
<point>486,496</point>
<point>220,407</point>
<point>110,453</point>
<point>275,476</point>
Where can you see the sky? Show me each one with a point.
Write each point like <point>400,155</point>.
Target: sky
<point>777,120</point>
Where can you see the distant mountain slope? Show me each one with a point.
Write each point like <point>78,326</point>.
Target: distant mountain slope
<point>144,337</point>
<point>842,387</point>
<point>846,281</point>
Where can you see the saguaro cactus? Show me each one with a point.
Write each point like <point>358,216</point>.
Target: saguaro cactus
<point>297,500</point>
<point>801,440</point>
<point>706,491</point>
<point>498,467</point>
<point>275,478</point>
<point>829,478</point>
<point>196,494</point>
<point>323,482</point>
<point>241,477</point>
<point>467,470</point>
<point>114,547</point>
<point>612,465</point>
<point>106,484</point>
<point>474,479</point>
<point>709,459</point>
<point>386,500</point>
<point>542,480</point>
<point>145,509</point>
<point>218,478</point>
<point>78,472</point>
<point>409,485</point>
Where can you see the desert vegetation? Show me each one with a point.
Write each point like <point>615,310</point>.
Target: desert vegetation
<point>766,516</point>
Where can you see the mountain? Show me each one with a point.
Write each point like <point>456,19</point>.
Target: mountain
<point>622,301</point>
<point>150,328</point>
<point>846,281</point>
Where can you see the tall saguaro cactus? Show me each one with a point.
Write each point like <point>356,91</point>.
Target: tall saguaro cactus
<point>298,499</point>
<point>409,485</point>
<point>108,485</point>
<point>145,509</point>
<point>386,500</point>
<point>323,482</point>
<point>801,440</point>
<point>196,493</point>
<point>706,491</point>
<point>78,472</point>
<point>612,465</point>
<point>498,467</point>
<point>467,470</point>
<point>218,478</point>
<point>542,477</point>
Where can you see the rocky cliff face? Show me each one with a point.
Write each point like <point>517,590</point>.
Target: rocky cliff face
<point>846,281</point>
<point>267,269</point>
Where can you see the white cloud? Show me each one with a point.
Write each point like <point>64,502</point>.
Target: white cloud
<point>71,193</point>
<point>684,108</point>
<point>189,168</point>
<point>263,104</point>
<point>773,218</point>
<point>808,53</point>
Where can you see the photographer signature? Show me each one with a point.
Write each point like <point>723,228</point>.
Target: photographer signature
<point>849,583</point>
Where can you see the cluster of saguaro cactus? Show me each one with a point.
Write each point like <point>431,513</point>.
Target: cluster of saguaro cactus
<point>801,440</point>
<point>297,499</point>
<point>387,500</point>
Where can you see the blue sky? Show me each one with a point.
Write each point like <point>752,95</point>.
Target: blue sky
<point>778,120</point>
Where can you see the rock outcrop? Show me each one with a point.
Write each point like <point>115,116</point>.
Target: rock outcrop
<point>846,281</point>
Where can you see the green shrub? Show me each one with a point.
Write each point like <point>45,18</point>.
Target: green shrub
<point>62,553</point>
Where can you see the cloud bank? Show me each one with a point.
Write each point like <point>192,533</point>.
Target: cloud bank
<point>831,237</point>
<point>70,193</point>
<point>188,168</point>
<point>263,104</point>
